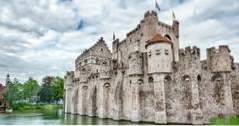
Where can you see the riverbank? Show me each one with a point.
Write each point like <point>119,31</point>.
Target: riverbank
<point>37,107</point>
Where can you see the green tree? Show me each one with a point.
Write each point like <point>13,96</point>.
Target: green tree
<point>31,89</point>
<point>58,87</point>
<point>46,93</point>
<point>12,95</point>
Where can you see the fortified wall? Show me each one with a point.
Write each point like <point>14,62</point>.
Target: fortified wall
<point>148,78</point>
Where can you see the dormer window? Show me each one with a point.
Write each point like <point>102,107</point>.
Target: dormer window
<point>158,52</point>
<point>166,52</point>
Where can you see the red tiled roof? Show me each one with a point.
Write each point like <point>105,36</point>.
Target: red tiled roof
<point>158,39</point>
<point>2,87</point>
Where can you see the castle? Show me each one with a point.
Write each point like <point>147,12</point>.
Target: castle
<point>148,78</point>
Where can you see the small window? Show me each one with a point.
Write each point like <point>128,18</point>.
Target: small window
<point>149,53</point>
<point>102,50</point>
<point>166,52</point>
<point>158,52</point>
<point>150,79</point>
<point>97,61</point>
<point>104,62</point>
<point>85,60</point>
<point>142,34</point>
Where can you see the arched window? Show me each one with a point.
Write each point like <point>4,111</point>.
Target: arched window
<point>140,81</point>
<point>167,79</point>
<point>168,37</point>
<point>97,60</point>
<point>199,78</point>
<point>186,78</point>
<point>85,87</point>
<point>151,79</point>
<point>107,85</point>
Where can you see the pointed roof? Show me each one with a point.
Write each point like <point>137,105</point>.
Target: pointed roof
<point>158,38</point>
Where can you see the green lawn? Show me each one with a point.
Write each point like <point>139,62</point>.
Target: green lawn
<point>38,107</point>
<point>231,120</point>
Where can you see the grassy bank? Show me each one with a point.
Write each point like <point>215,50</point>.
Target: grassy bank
<point>36,107</point>
<point>231,120</point>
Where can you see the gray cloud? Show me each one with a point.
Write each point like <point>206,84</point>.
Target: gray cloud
<point>43,37</point>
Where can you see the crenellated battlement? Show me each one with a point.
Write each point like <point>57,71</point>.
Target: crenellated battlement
<point>223,49</point>
<point>189,52</point>
<point>150,13</point>
<point>69,79</point>
<point>69,74</point>
<point>160,83</point>
<point>219,60</point>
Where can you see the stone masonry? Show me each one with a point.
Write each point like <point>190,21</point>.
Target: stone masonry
<point>146,77</point>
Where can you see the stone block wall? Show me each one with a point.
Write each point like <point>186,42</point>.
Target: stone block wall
<point>191,92</point>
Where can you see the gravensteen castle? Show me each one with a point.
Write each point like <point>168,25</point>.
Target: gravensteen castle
<point>147,77</point>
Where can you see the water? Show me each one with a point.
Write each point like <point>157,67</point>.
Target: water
<point>55,118</point>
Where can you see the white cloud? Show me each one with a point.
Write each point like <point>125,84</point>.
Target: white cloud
<point>41,37</point>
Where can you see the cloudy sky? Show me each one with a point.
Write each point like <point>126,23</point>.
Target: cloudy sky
<point>43,37</point>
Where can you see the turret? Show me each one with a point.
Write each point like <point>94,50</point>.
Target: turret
<point>69,77</point>
<point>115,46</point>
<point>219,60</point>
<point>160,54</point>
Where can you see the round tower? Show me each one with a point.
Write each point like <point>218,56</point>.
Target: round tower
<point>160,57</point>
<point>160,54</point>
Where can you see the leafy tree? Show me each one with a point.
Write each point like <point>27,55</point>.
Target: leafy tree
<point>12,94</point>
<point>31,88</point>
<point>58,86</point>
<point>46,93</point>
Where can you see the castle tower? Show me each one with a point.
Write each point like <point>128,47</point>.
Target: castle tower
<point>220,64</point>
<point>190,83</point>
<point>68,88</point>
<point>135,73</point>
<point>160,57</point>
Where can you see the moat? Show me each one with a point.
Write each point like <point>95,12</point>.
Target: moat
<point>55,118</point>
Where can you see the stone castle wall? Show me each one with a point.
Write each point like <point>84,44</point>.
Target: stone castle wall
<point>121,85</point>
